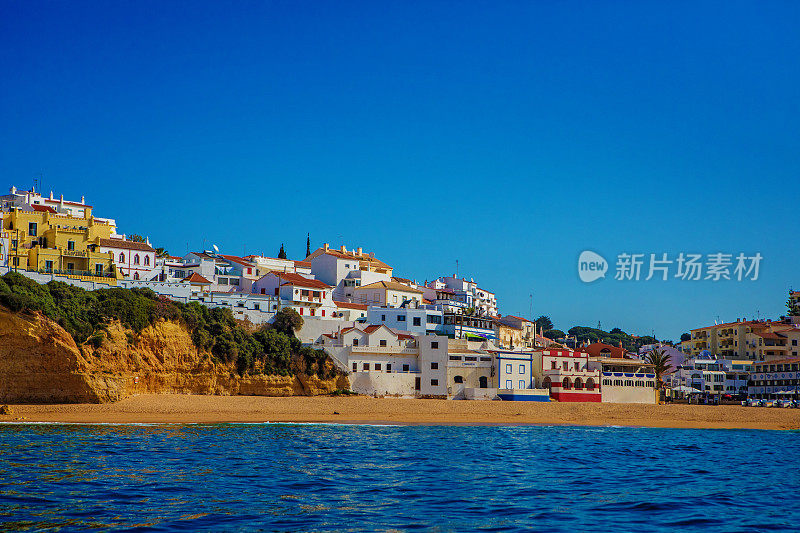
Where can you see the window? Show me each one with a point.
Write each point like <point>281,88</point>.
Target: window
<point>383,318</point>
<point>405,368</point>
<point>566,365</point>
<point>521,369</point>
<point>355,367</point>
<point>509,369</point>
<point>388,367</point>
<point>147,261</point>
<point>70,245</point>
<point>70,266</point>
<point>509,385</point>
<point>48,266</point>
<point>365,366</point>
<point>417,321</point>
<point>136,275</point>
<point>458,379</point>
<point>383,342</point>
<point>136,259</point>
<point>377,366</point>
<point>121,258</point>
<point>554,365</point>
<point>434,383</point>
<point>434,366</point>
<point>435,345</point>
<point>355,342</point>
<point>577,367</point>
<point>32,229</point>
<point>401,318</point>
<point>257,307</point>
<point>521,384</point>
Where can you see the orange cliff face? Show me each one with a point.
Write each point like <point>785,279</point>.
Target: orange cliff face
<point>40,363</point>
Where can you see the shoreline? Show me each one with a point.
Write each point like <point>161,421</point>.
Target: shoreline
<point>363,410</point>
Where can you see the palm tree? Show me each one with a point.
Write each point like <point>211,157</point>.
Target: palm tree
<point>660,361</point>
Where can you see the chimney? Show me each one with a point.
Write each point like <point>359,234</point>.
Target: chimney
<point>83,200</point>
<point>51,195</point>
<point>359,251</point>
<point>325,246</point>
<point>343,249</point>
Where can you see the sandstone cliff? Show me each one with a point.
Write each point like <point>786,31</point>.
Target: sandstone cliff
<point>40,362</point>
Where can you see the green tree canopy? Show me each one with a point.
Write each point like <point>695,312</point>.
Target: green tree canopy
<point>544,323</point>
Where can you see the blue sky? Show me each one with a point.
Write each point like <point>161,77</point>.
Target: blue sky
<point>508,135</point>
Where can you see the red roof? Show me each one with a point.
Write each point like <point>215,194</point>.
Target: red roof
<point>239,260</point>
<point>43,209</point>
<point>517,318</point>
<point>125,244</point>
<point>196,278</point>
<point>296,279</point>
<point>349,305</point>
<point>54,201</point>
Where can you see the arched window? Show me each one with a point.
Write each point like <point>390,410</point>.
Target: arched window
<point>590,384</point>
<point>566,384</point>
<point>546,383</point>
<point>578,383</point>
<point>136,259</point>
<point>147,260</point>
<point>121,257</point>
<point>458,379</point>
<point>135,275</point>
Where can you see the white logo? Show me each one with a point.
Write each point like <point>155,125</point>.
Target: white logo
<point>591,266</point>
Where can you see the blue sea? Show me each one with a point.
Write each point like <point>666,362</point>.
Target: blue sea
<point>314,477</point>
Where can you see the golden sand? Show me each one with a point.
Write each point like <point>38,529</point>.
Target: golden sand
<point>360,409</point>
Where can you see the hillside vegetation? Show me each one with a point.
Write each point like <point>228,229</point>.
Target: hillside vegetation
<point>87,315</point>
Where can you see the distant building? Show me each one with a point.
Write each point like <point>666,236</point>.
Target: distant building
<point>775,379</point>
<point>347,269</point>
<point>387,293</point>
<point>134,260</point>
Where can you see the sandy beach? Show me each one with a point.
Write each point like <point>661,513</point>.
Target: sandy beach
<point>359,409</point>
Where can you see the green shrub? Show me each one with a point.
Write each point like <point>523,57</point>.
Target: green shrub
<point>86,314</point>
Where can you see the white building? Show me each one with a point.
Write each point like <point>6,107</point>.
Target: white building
<point>385,362</point>
<point>387,293</point>
<point>346,269</point>
<point>266,265</point>
<point>484,302</point>
<point>309,297</point>
<point>423,320</point>
<point>134,260</point>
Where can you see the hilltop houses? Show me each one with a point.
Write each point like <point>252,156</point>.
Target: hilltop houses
<point>443,338</point>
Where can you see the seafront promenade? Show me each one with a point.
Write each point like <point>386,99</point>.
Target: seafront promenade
<point>359,409</point>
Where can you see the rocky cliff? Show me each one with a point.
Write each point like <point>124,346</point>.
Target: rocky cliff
<point>40,362</point>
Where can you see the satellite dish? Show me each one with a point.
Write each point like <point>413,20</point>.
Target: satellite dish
<point>215,248</point>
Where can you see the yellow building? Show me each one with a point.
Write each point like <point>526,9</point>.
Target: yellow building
<point>45,241</point>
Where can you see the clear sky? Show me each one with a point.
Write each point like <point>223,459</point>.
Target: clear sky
<point>509,136</point>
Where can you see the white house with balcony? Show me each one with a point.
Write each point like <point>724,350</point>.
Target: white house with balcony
<point>309,297</point>
<point>483,301</point>
<point>384,362</point>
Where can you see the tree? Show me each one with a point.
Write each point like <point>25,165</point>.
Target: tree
<point>660,361</point>
<point>616,331</point>
<point>685,337</point>
<point>792,306</point>
<point>282,253</point>
<point>544,323</point>
<point>136,238</point>
<point>554,334</point>
<point>308,245</point>
<point>161,252</point>
<point>287,321</point>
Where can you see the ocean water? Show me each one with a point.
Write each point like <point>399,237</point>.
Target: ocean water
<point>293,477</point>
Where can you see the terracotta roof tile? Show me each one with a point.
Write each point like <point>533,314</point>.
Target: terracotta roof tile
<point>126,245</point>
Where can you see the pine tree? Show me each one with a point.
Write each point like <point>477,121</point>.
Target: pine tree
<point>308,245</point>
<point>282,253</point>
